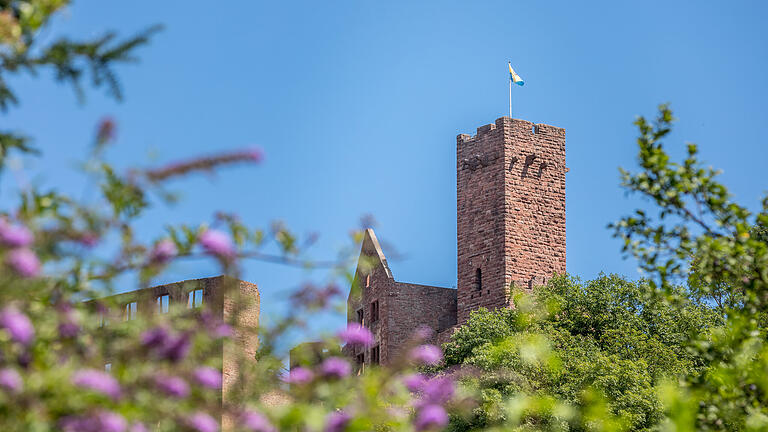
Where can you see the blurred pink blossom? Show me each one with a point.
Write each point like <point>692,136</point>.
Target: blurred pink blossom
<point>162,252</point>
<point>14,235</point>
<point>172,385</point>
<point>203,422</point>
<point>18,326</point>
<point>207,377</point>
<point>256,422</point>
<point>431,417</point>
<point>10,380</point>
<point>217,243</point>
<point>299,375</point>
<point>97,381</point>
<point>24,262</point>
<point>337,421</point>
<point>429,355</point>
<point>335,367</point>
<point>356,335</point>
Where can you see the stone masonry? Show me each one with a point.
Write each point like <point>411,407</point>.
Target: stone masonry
<point>510,180</point>
<point>510,211</point>
<point>393,310</point>
<point>217,295</point>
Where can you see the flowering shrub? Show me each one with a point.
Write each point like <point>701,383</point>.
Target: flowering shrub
<point>68,363</point>
<point>71,362</point>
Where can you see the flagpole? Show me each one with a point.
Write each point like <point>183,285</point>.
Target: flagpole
<point>510,97</point>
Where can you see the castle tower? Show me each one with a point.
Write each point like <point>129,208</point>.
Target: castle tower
<point>510,211</point>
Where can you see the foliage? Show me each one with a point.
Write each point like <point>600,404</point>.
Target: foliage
<point>570,337</point>
<point>72,359</point>
<point>698,230</point>
<point>608,354</point>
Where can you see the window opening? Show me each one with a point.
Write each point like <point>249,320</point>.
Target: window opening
<point>130,311</point>
<point>163,303</point>
<point>195,298</point>
<point>374,311</point>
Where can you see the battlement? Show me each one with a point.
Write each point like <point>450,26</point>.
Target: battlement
<point>515,126</point>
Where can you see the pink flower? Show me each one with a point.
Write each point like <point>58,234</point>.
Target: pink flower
<point>337,421</point>
<point>14,235</point>
<point>216,328</point>
<point>438,390</point>
<point>177,347</point>
<point>207,377</point>
<point>299,375</point>
<point>256,422</point>
<point>163,252</point>
<point>97,381</point>
<point>24,262</point>
<point>217,243</point>
<point>172,385</point>
<point>335,367</point>
<point>431,417</point>
<point>155,337</point>
<point>221,330</point>
<point>10,380</point>
<point>103,421</point>
<point>203,422</point>
<point>356,335</point>
<point>426,355</point>
<point>415,382</point>
<point>17,325</point>
<point>166,345</point>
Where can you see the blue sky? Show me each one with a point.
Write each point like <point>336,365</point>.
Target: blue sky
<point>357,106</point>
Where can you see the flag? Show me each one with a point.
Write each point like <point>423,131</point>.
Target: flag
<point>515,78</point>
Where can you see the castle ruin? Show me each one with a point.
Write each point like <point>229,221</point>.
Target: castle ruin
<point>510,206</point>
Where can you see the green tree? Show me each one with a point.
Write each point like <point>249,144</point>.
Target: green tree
<point>571,336</point>
<point>697,230</point>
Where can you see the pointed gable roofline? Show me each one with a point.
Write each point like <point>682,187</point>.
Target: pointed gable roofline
<point>372,248</point>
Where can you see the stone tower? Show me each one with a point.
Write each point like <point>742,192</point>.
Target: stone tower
<point>510,211</point>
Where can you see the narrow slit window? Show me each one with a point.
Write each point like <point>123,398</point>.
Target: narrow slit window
<point>360,316</point>
<point>375,311</point>
<point>195,298</point>
<point>375,355</point>
<point>479,279</point>
<point>367,281</point>
<point>130,311</point>
<point>163,303</point>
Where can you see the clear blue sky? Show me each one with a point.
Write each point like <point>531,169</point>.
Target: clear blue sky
<point>357,106</point>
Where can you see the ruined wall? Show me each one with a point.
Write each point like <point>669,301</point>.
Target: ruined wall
<point>241,305</point>
<point>221,296</point>
<point>412,306</point>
